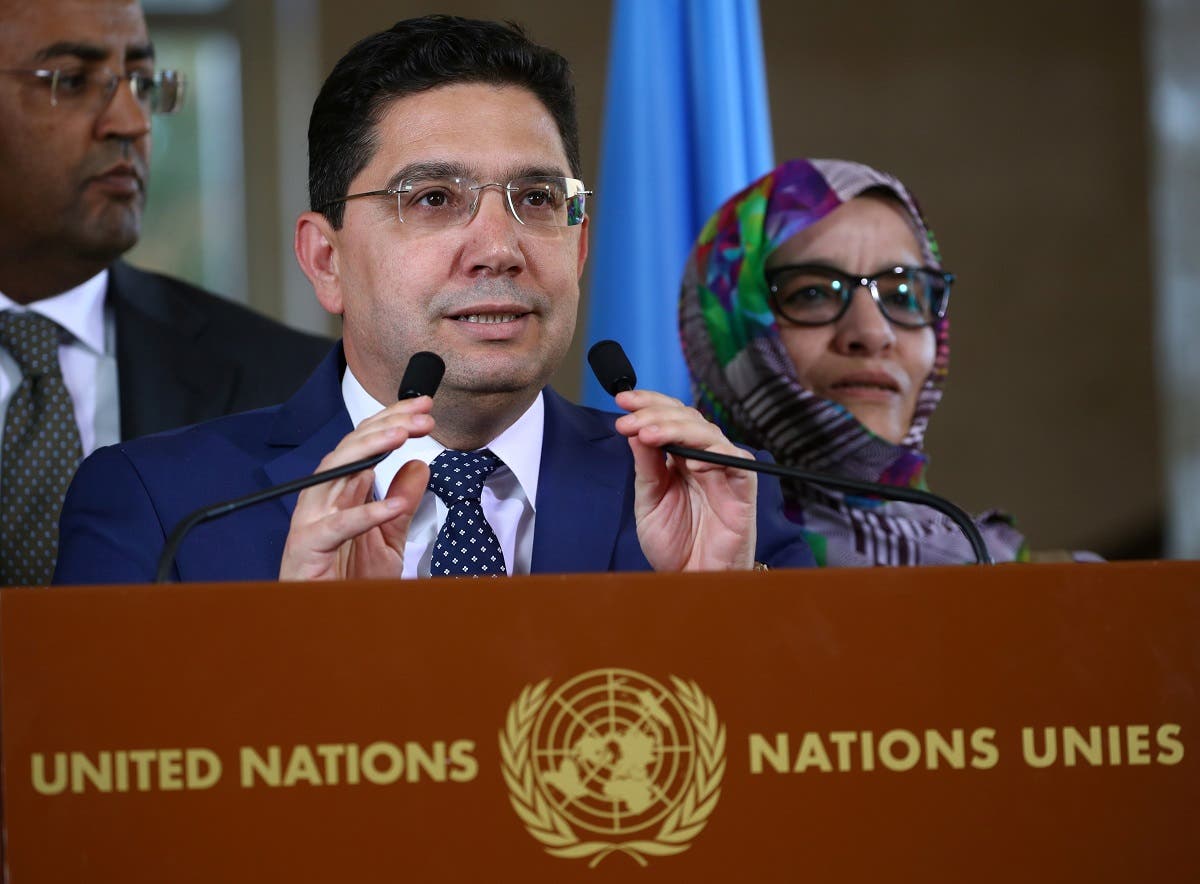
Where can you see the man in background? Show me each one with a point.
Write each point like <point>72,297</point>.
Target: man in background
<point>93,351</point>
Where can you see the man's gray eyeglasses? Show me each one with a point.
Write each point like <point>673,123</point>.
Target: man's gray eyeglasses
<point>537,201</point>
<point>160,92</point>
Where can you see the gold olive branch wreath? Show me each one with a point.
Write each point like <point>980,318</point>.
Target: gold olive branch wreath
<point>552,830</point>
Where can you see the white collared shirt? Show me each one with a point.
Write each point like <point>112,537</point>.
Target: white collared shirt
<point>87,355</point>
<point>509,494</point>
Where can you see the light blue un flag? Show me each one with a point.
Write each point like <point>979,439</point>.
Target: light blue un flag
<point>686,126</point>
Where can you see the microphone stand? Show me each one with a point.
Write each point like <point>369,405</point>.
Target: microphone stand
<point>856,486</point>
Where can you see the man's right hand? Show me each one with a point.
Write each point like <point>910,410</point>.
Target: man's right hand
<point>337,531</point>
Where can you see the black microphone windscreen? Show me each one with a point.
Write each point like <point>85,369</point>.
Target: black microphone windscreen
<point>611,367</point>
<point>422,376</point>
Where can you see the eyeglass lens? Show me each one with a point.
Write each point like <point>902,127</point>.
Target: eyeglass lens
<point>445,202</point>
<point>815,296</point>
<point>160,92</point>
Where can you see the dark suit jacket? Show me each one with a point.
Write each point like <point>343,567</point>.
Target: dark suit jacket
<point>127,498</point>
<point>185,355</point>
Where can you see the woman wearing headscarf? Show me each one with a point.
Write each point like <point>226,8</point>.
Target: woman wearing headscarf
<point>813,321</point>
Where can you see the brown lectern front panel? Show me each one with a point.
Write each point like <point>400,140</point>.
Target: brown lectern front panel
<point>983,724</point>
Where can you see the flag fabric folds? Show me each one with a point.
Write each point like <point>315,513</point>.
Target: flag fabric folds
<point>686,125</point>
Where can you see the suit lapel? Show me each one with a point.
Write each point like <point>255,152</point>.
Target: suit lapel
<point>309,426</point>
<point>164,378</point>
<point>582,486</point>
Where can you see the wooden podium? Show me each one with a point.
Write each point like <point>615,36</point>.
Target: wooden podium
<point>1034,723</point>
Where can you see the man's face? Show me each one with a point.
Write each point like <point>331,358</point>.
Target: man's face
<point>72,176</point>
<point>495,299</point>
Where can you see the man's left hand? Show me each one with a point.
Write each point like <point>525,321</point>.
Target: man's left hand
<point>691,516</point>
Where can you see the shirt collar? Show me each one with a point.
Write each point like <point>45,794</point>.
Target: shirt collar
<point>80,311</point>
<point>519,446</point>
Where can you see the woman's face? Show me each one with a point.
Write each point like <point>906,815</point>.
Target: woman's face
<point>864,362</point>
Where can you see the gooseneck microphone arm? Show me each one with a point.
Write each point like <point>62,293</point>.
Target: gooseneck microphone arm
<point>421,378</point>
<point>615,374</point>
<point>855,486</point>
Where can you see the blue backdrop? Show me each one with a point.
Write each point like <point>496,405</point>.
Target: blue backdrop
<point>686,125</point>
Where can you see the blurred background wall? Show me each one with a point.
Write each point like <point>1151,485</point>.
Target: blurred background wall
<point>1054,147</point>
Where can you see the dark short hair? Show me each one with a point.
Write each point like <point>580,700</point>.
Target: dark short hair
<point>413,56</point>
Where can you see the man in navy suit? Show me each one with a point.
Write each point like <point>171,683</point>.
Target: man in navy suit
<point>447,215</point>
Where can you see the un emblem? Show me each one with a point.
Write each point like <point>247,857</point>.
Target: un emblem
<point>613,761</point>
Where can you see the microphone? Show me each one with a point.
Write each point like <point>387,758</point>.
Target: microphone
<point>615,374</point>
<point>611,367</point>
<point>422,375</point>
<point>421,378</point>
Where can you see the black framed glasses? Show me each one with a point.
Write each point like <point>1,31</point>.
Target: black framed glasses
<point>91,89</point>
<point>431,203</point>
<point>812,294</point>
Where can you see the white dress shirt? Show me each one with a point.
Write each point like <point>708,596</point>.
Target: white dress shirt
<point>509,494</point>
<point>87,355</point>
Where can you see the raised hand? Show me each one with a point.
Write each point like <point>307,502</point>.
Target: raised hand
<point>337,531</point>
<point>691,516</point>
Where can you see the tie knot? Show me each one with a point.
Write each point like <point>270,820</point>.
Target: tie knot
<point>32,340</point>
<point>459,475</point>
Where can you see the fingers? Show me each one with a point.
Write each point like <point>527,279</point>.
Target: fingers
<point>329,515</point>
<point>314,546</point>
<point>408,486</point>
<point>328,533</point>
<point>385,431</point>
<point>339,494</point>
<point>378,434</point>
<point>417,405</point>
<point>690,515</point>
<point>650,469</point>
<point>655,420</point>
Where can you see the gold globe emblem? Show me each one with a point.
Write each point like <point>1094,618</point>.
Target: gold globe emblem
<point>616,757</point>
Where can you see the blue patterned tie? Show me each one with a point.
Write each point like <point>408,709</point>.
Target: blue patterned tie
<point>466,545</point>
<point>39,453</point>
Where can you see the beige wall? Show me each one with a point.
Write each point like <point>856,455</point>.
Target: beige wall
<point>1021,126</point>
<point>1022,129</point>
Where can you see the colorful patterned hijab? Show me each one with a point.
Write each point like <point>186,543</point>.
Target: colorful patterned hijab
<point>743,379</point>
